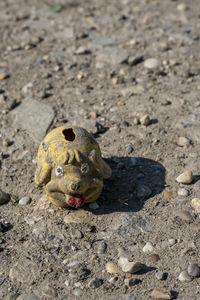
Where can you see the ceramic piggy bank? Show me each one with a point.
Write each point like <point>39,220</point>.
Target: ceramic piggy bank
<point>70,165</point>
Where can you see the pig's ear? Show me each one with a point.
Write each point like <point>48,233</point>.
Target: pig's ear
<point>101,166</point>
<point>62,159</point>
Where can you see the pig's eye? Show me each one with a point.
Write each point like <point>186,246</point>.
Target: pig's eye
<point>84,168</point>
<point>59,171</point>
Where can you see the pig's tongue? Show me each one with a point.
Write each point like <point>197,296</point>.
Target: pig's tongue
<point>76,201</point>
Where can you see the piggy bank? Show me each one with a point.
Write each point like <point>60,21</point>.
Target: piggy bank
<point>71,167</point>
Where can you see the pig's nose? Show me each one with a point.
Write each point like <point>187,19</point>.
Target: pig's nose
<point>75,186</point>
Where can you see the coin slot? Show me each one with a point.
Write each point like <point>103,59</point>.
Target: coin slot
<point>69,134</point>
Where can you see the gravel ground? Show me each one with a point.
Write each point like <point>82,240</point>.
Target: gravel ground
<point>129,72</point>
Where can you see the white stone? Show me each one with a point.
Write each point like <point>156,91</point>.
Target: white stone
<point>183,141</point>
<point>27,88</point>
<point>67,283</point>
<point>184,277</point>
<point>148,248</point>
<point>193,270</point>
<point>185,178</point>
<point>81,50</point>
<point>183,192</point>
<point>129,267</point>
<point>145,120</point>
<point>151,63</point>
<point>78,292</point>
<point>160,275</point>
<point>182,7</point>
<point>24,201</point>
<point>172,242</point>
<point>113,279</point>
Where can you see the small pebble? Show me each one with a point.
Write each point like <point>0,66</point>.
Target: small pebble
<point>143,191</point>
<point>183,192</point>
<point>25,200</point>
<point>195,203</point>
<point>4,197</point>
<point>183,141</point>
<point>148,248</point>
<point>136,121</point>
<point>184,215</point>
<point>160,295</point>
<point>182,7</point>
<point>151,63</point>
<point>94,205</point>
<point>102,248</point>
<point>193,270</point>
<point>172,242</point>
<point>184,277</point>
<point>120,103</point>
<point>67,283</point>
<point>185,178</point>
<point>145,120</point>
<point>95,283</point>
<point>133,161</point>
<point>89,228</point>
<point>120,165</point>
<point>4,76</point>
<point>167,194</point>
<point>160,275</point>
<point>76,234</point>
<point>129,267</point>
<point>113,279</point>
<point>27,88</point>
<point>6,143</point>
<point>154,257</point>
<point>82,50</point>
<point>93,114</point>
<point>57,68</point>
<point>134,60</point>
<point>78,292</point>
<point>129,148</point>
<point>112,268</point>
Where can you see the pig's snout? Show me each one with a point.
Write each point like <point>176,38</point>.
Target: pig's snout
<point>75,186</point>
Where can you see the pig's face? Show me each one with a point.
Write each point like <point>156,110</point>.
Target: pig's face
<point>77,184</point>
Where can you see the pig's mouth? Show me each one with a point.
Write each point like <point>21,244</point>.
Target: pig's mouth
<point>75,201</point>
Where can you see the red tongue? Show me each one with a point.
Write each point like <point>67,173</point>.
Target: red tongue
<point>76,201</point>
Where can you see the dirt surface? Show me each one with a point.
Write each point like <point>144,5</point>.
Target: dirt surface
<point>88,63</point>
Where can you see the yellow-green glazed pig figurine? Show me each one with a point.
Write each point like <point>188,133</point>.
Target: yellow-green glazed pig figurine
<point>70,165</point>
